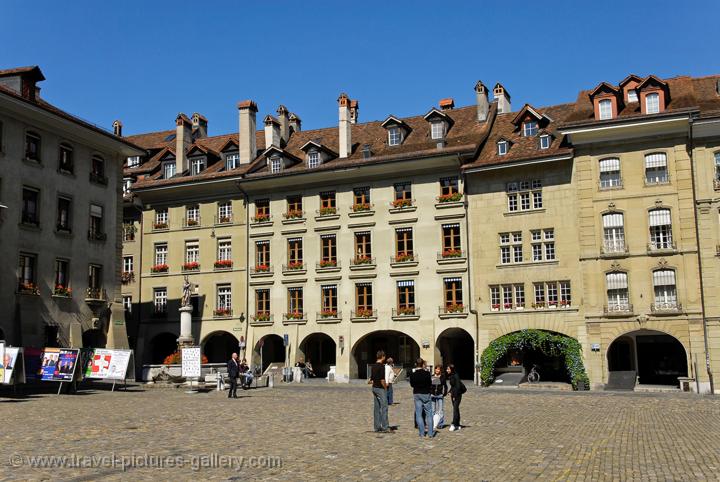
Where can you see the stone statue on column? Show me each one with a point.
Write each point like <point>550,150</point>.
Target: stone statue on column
<point>186,309</point>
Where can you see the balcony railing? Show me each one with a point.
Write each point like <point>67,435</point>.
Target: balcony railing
<point>452,308</point>
<point>327,211</point>
<point>226,219</point>
<point>618,309</point>
<point>656,246</point>
<point>193,222</point>
<point>329,315</point>
<point>262,317</point>
<point>294,316</point>
<point>222,312</point>
<point>666,307</point>
<point>363,313</point>
<point>95,294</point>
<point>127,277</point>
<point>362,261</point>
<point>451,253</point>
<point>261,269</point>
<point>404,258</point>
<point>96,235</point>
<point>327,264</point>
<point>405,311</point>
<point>613,247</point>
<point>261,218</point>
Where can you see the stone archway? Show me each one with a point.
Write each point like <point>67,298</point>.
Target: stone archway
<point>402,348</point>
<point>457,346</point>
<point>320,350</point>
<point>94,338</point>
<point>218,346</point>
<point>269,349</point>
<point>160,346</point>
<point>646,357</point>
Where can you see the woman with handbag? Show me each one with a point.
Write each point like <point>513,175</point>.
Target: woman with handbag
<point>457,388</point>
<point>438,391</point>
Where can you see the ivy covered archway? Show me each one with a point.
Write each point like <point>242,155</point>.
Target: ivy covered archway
<point>548,343</point>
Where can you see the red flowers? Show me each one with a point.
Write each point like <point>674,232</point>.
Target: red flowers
<point>450,198</point>
<point>294,214</point>
<point>402,203</point>
<point>358,207</point>
<point>222,312</point>
<point>191,266</point>
<point>293,265</point>
<point>223,264</point>
<point>451,253</point>
<point>259,218</point>
<point>328,263</point>
<point>159,268</point>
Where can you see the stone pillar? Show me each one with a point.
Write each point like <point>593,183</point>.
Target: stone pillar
<point>186,337</point>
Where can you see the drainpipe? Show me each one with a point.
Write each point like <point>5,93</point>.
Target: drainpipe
<point>246,200</point>
<point>471,298</point>
<point>691,149</point>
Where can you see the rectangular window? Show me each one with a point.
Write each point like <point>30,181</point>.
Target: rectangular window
<point>168,169</point>
<point>262,254</point>
<point>545,141</point>
<point>437,130</point>
<point>660,229</point>
<point>530,128</point>
<point>328,251</point>
<point>524,201</point>
<point>519,290</point>
<point>507,294</point>
<point>275,164</point>
<point>295,302</point>
<point>404,244</point>
<point>224,212</point>
<point>127,304</point>
<point>632,96</point>
<point>30,213</point>
<point>192,215</point>
<point>610,173</point>
<point>451,240</point>
<point>232,161</point>
<point>62,274</point>
<point>160,300</point>
<point>192,252</point>
<point>295,252</point>
<point>294,206</point>
<point>652,103</point>
<point>363,297</point>
<point>361,198</point>
<point>224,247</point>
<point>97,168</point>
<point>94,277</point>
<point>539,295</point>
<point>656,171</point>
<point>502,148</point>
<point>161,254</point>
<point>262,210</point>
<point>65,161</point>
<point>617,291</point>
<point>495,298</point>
<point>394,136</point>
<point>197,166</point>
<point>327,203</point>
<point>161,219</point>
<point>128,264</point>
<point>403,191</point>
<point>224,299</point>
<point>64,207</point>
<point>32,147</point>
<point>453,293</point>
<point>262,302</point>
<point>565,293</point>
<point>26,268</point>
<point>313,159</point>
<point>605,109</point>
<point>96,230</point>
<point>363,247</point>
<point>406,297</point>
<point>133,161</point>
<point>328,294</point>
<point>449,186</point>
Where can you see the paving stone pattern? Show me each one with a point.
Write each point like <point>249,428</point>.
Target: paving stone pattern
<point>324,432</point>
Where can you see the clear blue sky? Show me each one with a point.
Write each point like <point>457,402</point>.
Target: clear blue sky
<point>145,61</point>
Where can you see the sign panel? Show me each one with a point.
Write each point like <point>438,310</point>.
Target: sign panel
<point>2,362</point>
<point>191,362</point>
<point>286,339</point>
<point>107,364</point>
<point>58,364</point>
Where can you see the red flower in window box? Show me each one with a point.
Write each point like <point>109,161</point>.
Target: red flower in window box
<point>328,263</point>
<point>402,203</point>
<point>455,308</point>
<point>362,259</point>
<point>262,316</point>
<point>359,207</point>
<point>508,306</point>
<point>262,268</point>
<point>61,290</point>
<point>327,211</point>
<point>364,313</point>
<point>450,198</point>
<point>259,218</point>
<point>224,219</point>
<point>294,315</point>
<point>159,268</point>
<point>294,214</point>
<point>404,257</point>
<point>552,303</point>
<point>406,311</point>
<point>293,265</point>
<point>495,306</point>
<point>222,312</point>
<point>564,302</point>
<point>192,222</point>
<point>223,264</point>
<point>191,266</point>
<point>127,277</point>
<point>160,225</point>
<point>451,253</point>
<point>328,314</point>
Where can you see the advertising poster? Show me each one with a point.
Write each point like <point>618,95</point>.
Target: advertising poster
<point>2,362</point>
<point>9,362</point>
<point>108,364</point>
<point>191,362</point>
<point>58,364</point>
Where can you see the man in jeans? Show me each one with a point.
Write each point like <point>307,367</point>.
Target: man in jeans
<point>420,381</point>
<point>389,379</point>
<point>379,389</point>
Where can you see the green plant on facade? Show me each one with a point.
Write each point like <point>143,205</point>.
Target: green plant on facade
<point>548,343</point>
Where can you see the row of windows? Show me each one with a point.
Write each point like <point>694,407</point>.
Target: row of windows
<point>524,195</point>
<point>28,275</point>
<point>545,294</point>
<point>66,157</point>
<point>660,231</point>
<point>652,104</point>
<point>30,214</point>
<point>664,287</point>
<point>191,258</point>
<point>656,171</point>
<point>542,244</point>
<point>192,215</point>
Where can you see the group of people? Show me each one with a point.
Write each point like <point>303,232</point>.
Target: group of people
<point>429,392</point>
<point>238,369</point>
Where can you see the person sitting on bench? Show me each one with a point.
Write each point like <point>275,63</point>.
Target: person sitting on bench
<point>245,374</point>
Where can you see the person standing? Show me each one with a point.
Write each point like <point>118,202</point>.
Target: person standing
<point>233,368</point>
<point>438,391</point>
<point>420,381</point>
<point>379,390</point>
<point>457,388</point>
<point>390,379</point>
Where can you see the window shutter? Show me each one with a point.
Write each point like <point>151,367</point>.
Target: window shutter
<point>617,281</point>
<point>660,217</point>
<point>453,280</point>
<point>403,284</point>
<point>456,225</point>
<point>658,159</point>
<point>610,165</point>
<point>664,277</point>
<point>327,236</point>
<point>96,210</point>
<point>612,220</point>
<point>403,230</point>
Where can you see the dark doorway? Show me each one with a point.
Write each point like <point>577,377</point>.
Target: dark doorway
<point>399,346</point>
<point>456,346</point>
<point>94,339</point>
<point>621,355</point>
<point>661,360</point>
<point>219,346</point>
<point>319,350</point>
<point>161,346</point>
<point>270,349</point>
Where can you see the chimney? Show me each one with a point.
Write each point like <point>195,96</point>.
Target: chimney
<point>354,111</point>
<point>481,94</point>
<point>272,132</point>
<point>284,120</point>
<point>183,140</point>
<point>117,128</point>
<point>447,104</point>
<point>247,111</point>
<point>199,123</point>
<point>502,98</point>
<point>295,123</point>
<point>23,80</point>
<point>345,128</point>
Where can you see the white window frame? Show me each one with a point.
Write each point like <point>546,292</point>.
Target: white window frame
<point>160,300</point>
<point>161,216</point>
<point>224,249</point>
<point>224,297</point>
<point>169,166</point>
<point>656,168</point>
<point>652,107</point>
<point>128,264</point>
<point>232,160</point>
<point>502,148</point>
<point>275,164</point>
<point>545,141</point>
<point>192,251</point>
<point>632,95</point>
<point>605,109</point>
<point>197,165</point>
<point>610,173</point>
<point>161,253</point>
<point>133,161</point>
<point>530,128</point>
<point>437,130</point>
<point>313,159</point>
<point>395,136</point>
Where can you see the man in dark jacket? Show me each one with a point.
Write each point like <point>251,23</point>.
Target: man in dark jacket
<point>233,368</point>
<point>420,381</point>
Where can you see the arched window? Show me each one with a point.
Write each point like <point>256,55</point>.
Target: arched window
<point>613,233</point>
<point>660,229</point>
<point>610,173</point>
<point>665,290</point>
<point>656,171</point>
<point>617,292</point>
<point>652,103</point>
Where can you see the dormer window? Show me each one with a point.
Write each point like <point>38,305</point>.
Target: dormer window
<point>197,165</point>
<point>652,103</point>
<point>168,169</point>
<point>530,128</point>
<point>437,130</point>
<point>502,148</point>
<point>632,96</point>
<point>232,160</point>
<point>275,164</point>
<point>394,136</point>
<point>605,109</point>
<point>133,161</point>
<point>313,159</point>
<point>545,141</point>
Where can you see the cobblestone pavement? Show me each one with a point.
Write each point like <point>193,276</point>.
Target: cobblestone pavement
<point>324,432</point>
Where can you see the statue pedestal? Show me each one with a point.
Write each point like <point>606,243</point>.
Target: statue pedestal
<point>186,338</point>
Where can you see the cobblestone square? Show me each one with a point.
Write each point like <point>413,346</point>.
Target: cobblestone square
<point>323,432</point>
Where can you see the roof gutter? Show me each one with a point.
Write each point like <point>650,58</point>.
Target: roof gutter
<point>528,162</point>
<point>578,128</point>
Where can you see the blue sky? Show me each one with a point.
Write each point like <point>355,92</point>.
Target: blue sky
<point>145,61</point>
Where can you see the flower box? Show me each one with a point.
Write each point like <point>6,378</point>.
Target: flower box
<point>223,264</point>
<point>191,266</point>
<point>295,315</point>
<point>328,314</point>
<point>538,305</point>
<point>295,265</point>
<point>404,258</point>
<point>402,203</point>
<point>262,268</point>
<point>160,268</point>
<point>224,219</point>
<point>127,277</point>
<point>193,222</point>
<point>450,198</point>
<point>260,218</point>
<point>364,313</point>
<point>508,306</point>
<point>495,306</point>
<point>363,260</point>
<point>406,311</point>
<point>328,263</point>
<point>360,207</point>
<point>61,290</point>
<point>222,312</point>
<point>327,211</point>
<point>455,308</point>
<point>262,316</point>
<point>160,225</point>
<point>452,253</point>
<point>294,214</point>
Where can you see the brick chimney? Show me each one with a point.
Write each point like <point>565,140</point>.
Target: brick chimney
<point>183,140</point>
<point>502,98</point>
<point>447,104</point>
<point>117,128</point>
<point>483,105</point>
<point>247,112</point>
<point>345,133</point>
<point>200,125</point>
<point>354,111</point>
<point>284,120</point>
<point>272,132</point>
<point>295,123</point>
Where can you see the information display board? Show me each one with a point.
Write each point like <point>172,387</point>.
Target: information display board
<point>106,364</point>
<point>191,362</point>
<point>58,364</point>
<point>14,366</point>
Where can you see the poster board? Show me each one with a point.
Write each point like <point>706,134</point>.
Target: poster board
<point>2,361</point>
<point>58,364</point>
<point>106,364</point>
<point>14,364</point>
<point>191,362</point>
